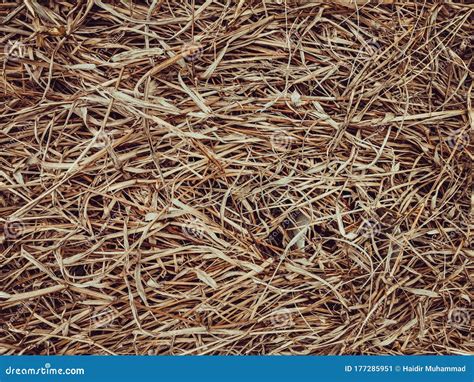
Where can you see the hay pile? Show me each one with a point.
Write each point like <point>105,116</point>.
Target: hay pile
<point>236,177</point>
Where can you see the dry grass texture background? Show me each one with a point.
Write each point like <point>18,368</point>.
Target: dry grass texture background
<point>236,177</point>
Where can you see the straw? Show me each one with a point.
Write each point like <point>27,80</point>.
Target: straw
<point>237,177</point>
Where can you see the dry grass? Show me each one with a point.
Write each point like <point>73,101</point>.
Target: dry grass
<point>237,177</point>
